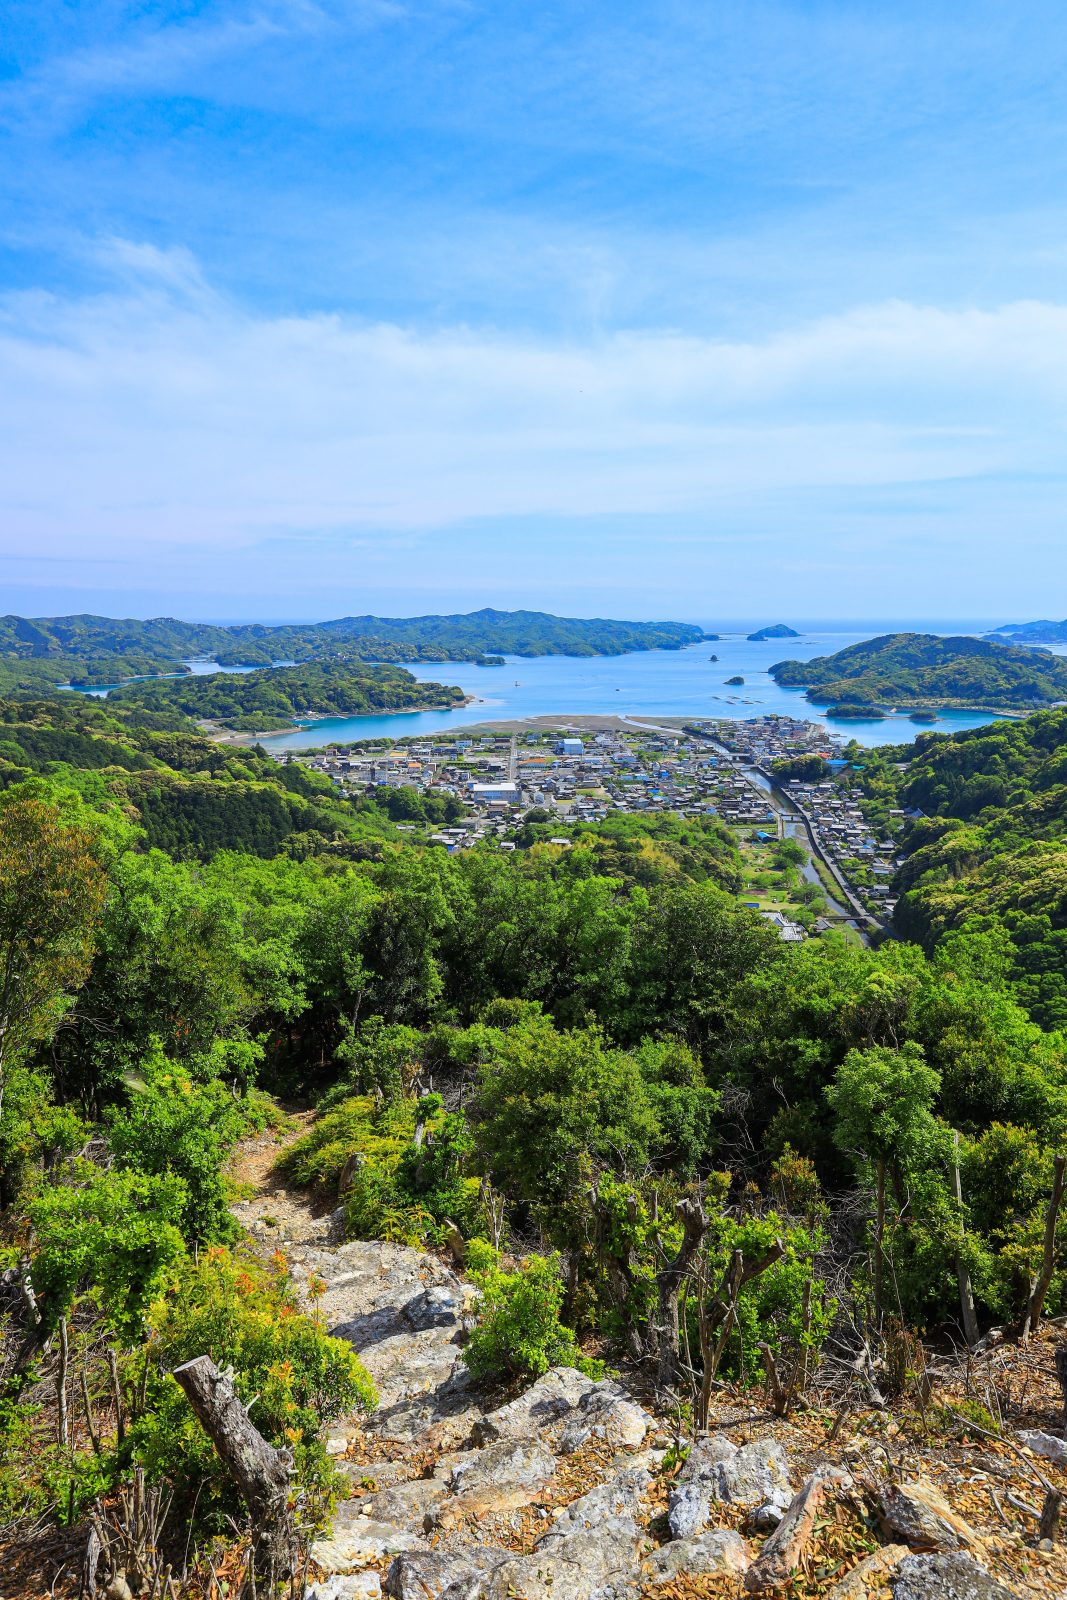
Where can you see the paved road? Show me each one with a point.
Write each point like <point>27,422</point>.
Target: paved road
<point>859,911</point>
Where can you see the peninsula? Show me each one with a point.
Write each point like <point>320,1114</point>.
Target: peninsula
<point>275,698</point>
<point>924,670</point>
<point>1031,633</point>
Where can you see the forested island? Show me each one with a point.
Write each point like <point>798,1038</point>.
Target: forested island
<point>276,697</point>
<point>471,637</point>
<point>777,631</point>
<point>40,675</point>
<point>1031,633</point>
<point>925,669</point>
<point>325,1143</point>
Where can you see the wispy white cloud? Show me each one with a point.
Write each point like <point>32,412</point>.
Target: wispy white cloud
<point>162,412</point>
<point>165,58</point>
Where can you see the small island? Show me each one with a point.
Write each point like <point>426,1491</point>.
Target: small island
<point>736,680</point>
<point>849,711</point>
<point>926,672</point>
<point>778,631</point>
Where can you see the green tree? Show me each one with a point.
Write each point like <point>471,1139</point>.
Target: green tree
<point>692,946</point>
<point>51,891</point>
<point>882,1101</point>
<point>551,1108</point>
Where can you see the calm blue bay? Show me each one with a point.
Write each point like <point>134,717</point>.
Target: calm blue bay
<point>679,683</point>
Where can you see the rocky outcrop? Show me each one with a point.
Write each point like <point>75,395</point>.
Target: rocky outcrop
<point>404,1311</point>
<point>872,1572</point>
<point>557,1493</point>
<point>718,1553</point>
<point>557,1394</point>
<point>919,1514</point>
<point>1047,1445</point>
<point>754,1475</point>
<point>426,1575</point>
<point>357,1586</point>
<point>591,1551</point>
<point>946,1577</point>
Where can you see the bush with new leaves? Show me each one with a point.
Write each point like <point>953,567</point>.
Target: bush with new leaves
<point>519,1333</point>
<point>243,1315</point>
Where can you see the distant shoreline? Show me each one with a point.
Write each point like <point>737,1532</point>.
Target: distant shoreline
<point>220,735</point>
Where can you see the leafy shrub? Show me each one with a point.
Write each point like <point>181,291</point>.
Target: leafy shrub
<point>399,1190</point>
<point>175,1124</point>
<point>243,1316</point>
<point>519,1334</point>
<point>33,1129</point>
<point>115,1234</point>
<point>357,1126</point>
<point>966,1416</point>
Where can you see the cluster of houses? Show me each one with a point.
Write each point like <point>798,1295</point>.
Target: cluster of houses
<point>498,778</point>
<point>702,768</point>
<point>865,858</point>
<point>760,740</point>
<point>697,770</point>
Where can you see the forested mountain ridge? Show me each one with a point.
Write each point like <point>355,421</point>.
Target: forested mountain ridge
<point>655,1135</point>
<point>460,637</point>
<point>925,669</point>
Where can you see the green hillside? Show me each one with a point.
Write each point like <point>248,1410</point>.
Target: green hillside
<point>548,1048</point>
<point>990,852</point>
<point>925,669</point>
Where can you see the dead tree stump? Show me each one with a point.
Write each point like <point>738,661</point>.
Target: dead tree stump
<point>261,1473</point>
<point>1061,1373</point>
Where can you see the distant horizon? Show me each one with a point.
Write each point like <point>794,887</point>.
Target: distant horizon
<point>735,624</point>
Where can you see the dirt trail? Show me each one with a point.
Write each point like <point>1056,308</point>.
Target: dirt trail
<point>269,1205</point>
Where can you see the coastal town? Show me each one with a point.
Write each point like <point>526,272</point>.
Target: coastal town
<point>716,768</point>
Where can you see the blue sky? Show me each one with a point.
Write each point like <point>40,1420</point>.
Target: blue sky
<point>312,306</point>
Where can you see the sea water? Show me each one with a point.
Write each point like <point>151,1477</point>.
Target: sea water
<point>642,685</point>
<point>646,684</point>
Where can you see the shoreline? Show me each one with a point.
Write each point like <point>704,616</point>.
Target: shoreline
<point>909,709</point>
<point>221,735</point>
